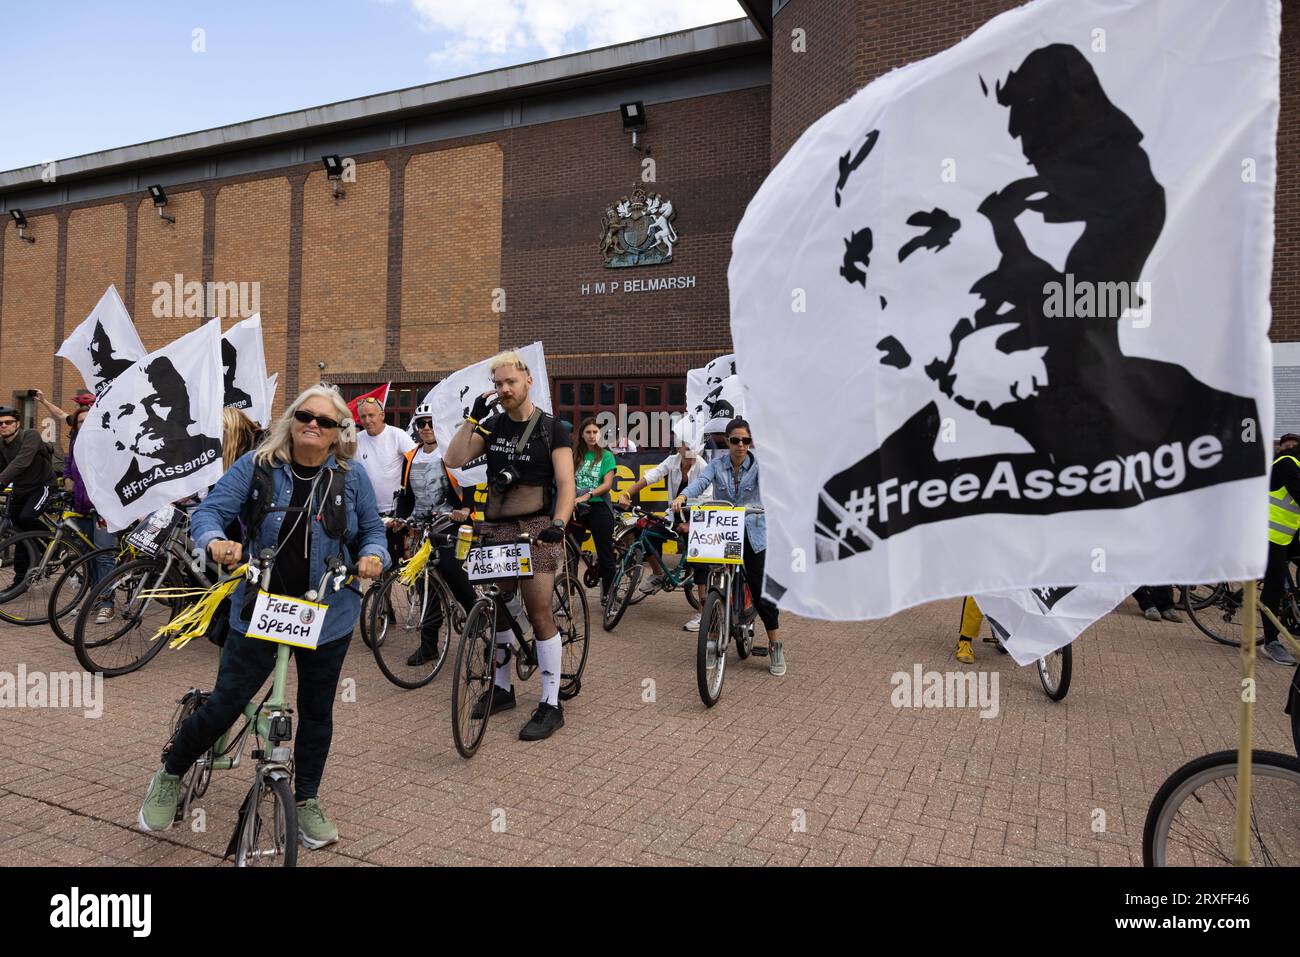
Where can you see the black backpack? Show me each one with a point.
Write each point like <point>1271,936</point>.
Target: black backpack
<point>332,514</point>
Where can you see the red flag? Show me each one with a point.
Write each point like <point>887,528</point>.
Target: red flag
<point>380,394</point>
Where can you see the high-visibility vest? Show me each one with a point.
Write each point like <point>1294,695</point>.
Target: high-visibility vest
<point>1283,511</point>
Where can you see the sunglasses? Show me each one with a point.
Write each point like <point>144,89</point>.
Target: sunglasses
<point>738,440</point>
<point>324,421</point>
<point>424,424</point>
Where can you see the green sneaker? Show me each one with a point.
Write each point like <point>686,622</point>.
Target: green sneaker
<point>314,828</point>
<point>158,812</point>
<point>775,658</point>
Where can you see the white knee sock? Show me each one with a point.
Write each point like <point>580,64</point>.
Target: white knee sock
<point>503,680</point>
<point>549,653</point>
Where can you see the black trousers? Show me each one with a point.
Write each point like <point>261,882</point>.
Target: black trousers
<point>24,511</point>
<point>755,563</point>
<point>246,663</point>
<point>1271,594</point>
<point>600,522</point>
<point>1159,597</point>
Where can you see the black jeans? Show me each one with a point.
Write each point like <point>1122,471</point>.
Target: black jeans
<point>600,521</point>
<point>245,665</point>
<point>453,573</point>
<point>24,511</point>
<point>1279,556</point>
<point>755,562</point>
<point>1159,597</point>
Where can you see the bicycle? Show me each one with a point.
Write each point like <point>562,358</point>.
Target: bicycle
<point>267,828</point>
<point>1222,617</point>
<point>126,642</point>
<point>623,591</point>
<point>49,552</point>
<point>576,559</point>
<point>1192,817</point>
<point>401,608</point>
<point>71,587</point>
<point>727,617</point>
<point>1054,669</point>
<point>473,681</point>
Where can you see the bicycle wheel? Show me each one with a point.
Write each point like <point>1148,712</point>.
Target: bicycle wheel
<point>1199,596</point>
<point>569,609</point>
<point>20,550</point>
<point>125,642</point>
<point>68,591</point>
<point>626,579</point>
<point>472,680</point>
<point>402,632</point>
<point>270,831</point>
<point>28,604</point>
<point>711,649</point>
<point>1294,699</point>
<point>1054,672</point>
<point>1223,619</point>
<point>195,781</point>
<point>368,605</point>
<point>1191,819</point>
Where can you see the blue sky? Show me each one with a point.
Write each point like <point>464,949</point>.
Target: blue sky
<point>82,76</point>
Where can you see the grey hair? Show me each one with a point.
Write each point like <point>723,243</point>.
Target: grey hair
<point>277,447</point>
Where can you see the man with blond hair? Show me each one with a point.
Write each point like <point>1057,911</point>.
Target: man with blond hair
<point>530,491</point>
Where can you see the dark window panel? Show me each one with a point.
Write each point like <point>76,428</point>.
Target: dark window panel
<point>587,393</point>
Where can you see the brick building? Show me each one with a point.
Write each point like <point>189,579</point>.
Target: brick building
<point>474,219</point>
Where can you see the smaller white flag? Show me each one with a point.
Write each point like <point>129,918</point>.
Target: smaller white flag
<point>272,381</point>
<point>454,396</point>
<point>713,395</point>
<point>1034,622</point>
<point>105,344</point>
<point>243,361</point>
<point>155,432</point>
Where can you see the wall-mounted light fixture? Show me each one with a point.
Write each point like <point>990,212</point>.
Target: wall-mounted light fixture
<point>334,170</point>
<point>21,222</point>
<point>634,120</point>
<point>159,197</point>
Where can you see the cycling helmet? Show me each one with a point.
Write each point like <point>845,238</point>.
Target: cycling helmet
<point>10,411</point>
<point>424,411</point>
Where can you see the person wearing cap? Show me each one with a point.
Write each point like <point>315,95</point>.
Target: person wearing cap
<point>24,465</point>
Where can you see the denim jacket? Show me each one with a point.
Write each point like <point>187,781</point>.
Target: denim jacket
<point>365,531</point>
<point>719,474</point>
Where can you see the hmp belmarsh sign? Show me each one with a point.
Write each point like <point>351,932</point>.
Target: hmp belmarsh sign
<point>656,284</point>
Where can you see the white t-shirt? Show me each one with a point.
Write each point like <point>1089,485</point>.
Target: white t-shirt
<point>381,456</point>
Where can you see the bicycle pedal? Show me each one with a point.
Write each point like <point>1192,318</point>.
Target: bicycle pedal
<point>758,652</point>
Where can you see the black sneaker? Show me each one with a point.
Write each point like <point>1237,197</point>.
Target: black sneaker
<point>422,656</point>
<point>501,701</point>
<point>546,720</point>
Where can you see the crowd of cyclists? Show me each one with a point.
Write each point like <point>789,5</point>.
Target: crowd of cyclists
<point>316,485</point>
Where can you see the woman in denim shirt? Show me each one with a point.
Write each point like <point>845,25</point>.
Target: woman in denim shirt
<point>312,480</point>
<point>735,480</point>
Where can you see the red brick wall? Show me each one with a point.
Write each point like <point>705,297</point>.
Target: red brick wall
<point>850,43</point>
<point>414,252</point>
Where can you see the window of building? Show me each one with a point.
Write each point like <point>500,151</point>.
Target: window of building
<point>575,399</point>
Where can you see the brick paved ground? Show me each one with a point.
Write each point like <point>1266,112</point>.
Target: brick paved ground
<point>667,781</point>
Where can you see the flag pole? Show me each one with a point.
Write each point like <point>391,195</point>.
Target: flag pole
<point>1241,834</point>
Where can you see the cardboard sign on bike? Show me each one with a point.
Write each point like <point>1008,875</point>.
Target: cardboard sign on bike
<point>717,535</point>
<point>288,621</point>
<point>514,560</point>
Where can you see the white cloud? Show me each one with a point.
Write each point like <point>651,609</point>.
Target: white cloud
<point>482,30</point>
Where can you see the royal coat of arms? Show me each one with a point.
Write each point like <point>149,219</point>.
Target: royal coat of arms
<point>638,231</point>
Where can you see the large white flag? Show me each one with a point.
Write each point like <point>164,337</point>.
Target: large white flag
<point>1033,274</point>
<point>244,365</point>
<point>154,435</point>
<point>454,396</point>
<point>105,344</point>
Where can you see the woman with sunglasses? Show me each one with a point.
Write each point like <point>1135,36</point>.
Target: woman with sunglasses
<point>316,506</point>
<point>734,478</point>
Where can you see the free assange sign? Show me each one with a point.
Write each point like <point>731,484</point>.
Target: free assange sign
<point>625,286</point>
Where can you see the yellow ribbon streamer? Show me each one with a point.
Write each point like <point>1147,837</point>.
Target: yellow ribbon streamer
<point>413,567</point>
<point>195,619</point>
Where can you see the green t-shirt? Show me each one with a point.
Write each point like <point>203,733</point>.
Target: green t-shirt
<point>592,472</point>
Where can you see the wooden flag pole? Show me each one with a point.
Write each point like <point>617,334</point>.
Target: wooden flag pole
<point>1241,835</point>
